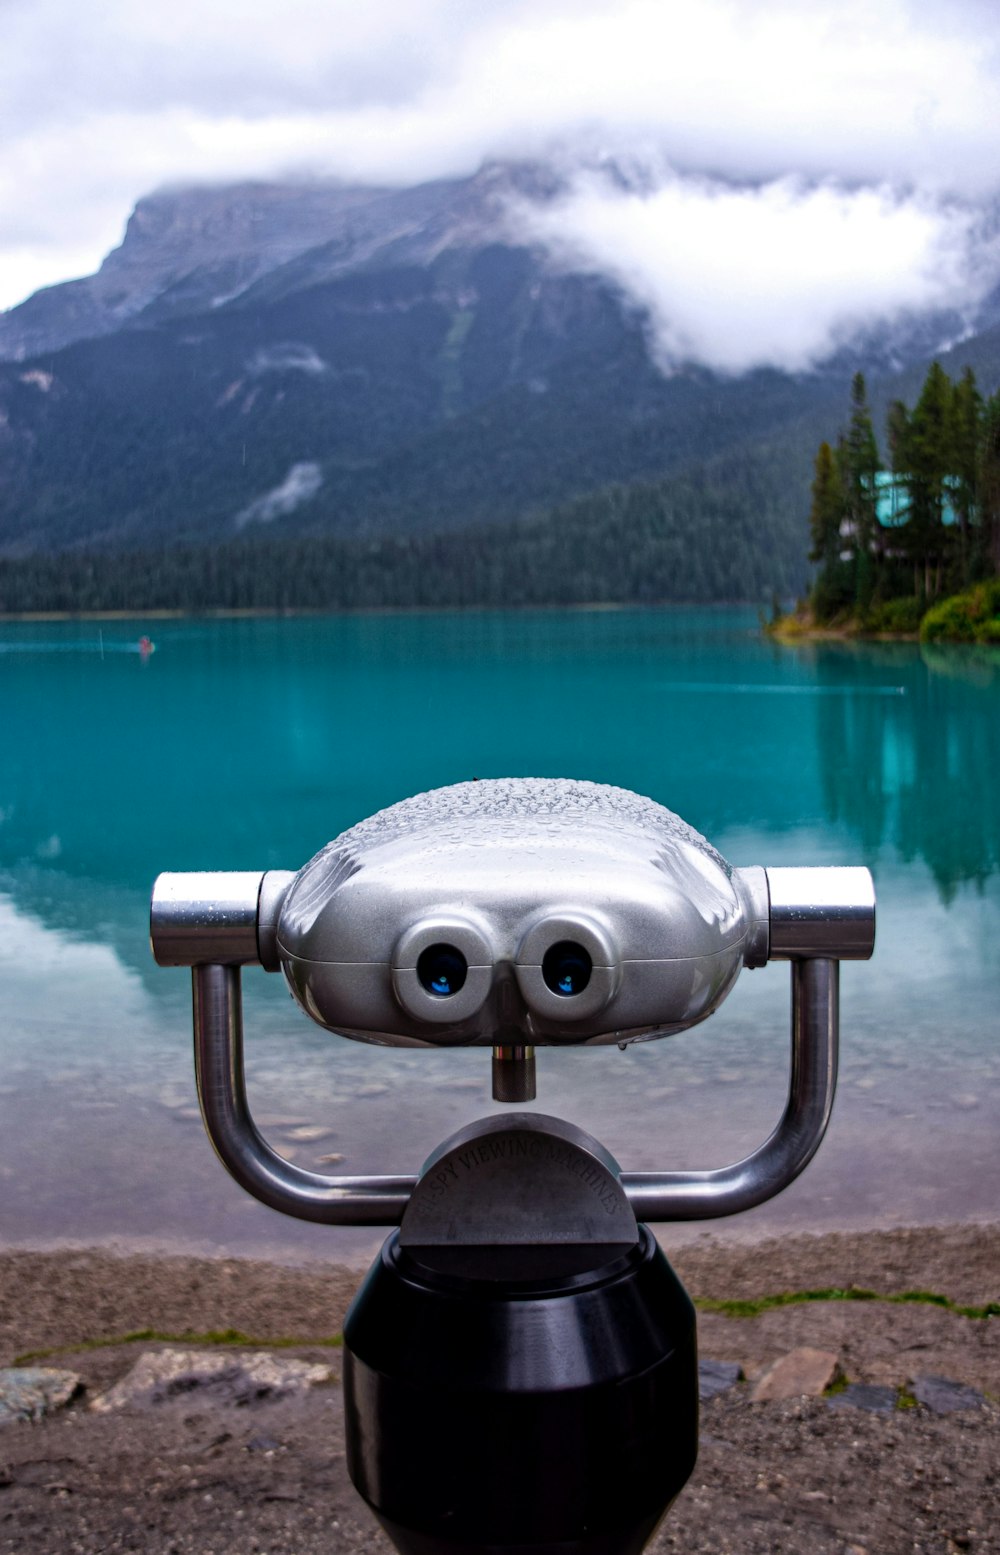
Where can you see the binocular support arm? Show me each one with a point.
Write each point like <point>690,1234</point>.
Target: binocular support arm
<point>788,1150</point>
<point>239,1144</point>
<point>380,1201</point>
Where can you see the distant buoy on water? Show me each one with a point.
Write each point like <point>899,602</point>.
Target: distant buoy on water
<point>146,647</point>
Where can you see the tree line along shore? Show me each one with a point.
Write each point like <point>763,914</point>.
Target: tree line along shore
<point>904,543</point>
<point>674,541</point>
<point>908,545</point>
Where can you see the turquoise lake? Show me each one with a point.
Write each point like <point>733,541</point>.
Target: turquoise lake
<point>248,744</point>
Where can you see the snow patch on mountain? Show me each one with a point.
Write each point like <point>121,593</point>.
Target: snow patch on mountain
<point>300,485</point>
<point>288,356</point>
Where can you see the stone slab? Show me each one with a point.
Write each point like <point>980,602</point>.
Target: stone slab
<point>802,1373</point>
<point>715,1377</point>
<point>205,1376</point>
<point>872,1397</point>
<point>943,1397</point>
<point>29,1392</point>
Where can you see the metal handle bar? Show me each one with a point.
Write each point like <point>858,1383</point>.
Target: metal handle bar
<point>380,1201</point>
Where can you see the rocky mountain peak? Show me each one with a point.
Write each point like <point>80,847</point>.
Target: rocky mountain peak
<point>191,248</point>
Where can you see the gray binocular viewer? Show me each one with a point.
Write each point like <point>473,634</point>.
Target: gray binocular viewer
<point>517,914</point>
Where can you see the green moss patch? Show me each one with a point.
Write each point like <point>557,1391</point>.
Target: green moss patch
<point>212,1338</point>
<point>744,1307</point>
<point>753,1306</point>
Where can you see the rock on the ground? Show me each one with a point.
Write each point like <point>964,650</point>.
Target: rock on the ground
<point>29,1392</point>
<point>800,1373</point>
<point>875,1398</point>
<point>942,1397</point>
<point>716,1377</point>
<point>161,1376</point>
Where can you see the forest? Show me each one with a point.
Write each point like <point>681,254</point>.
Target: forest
<point>728,532</point>
<point>909,538</point>
<point>897,534</point>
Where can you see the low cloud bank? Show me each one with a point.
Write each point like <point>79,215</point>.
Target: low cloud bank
<point>778,274</point>
<point>827,158</point>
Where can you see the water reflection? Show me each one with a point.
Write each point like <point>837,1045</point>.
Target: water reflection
<point>917,772</point>
<point>249,744</point>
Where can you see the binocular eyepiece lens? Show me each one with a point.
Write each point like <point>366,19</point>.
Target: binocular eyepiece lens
<point>441,970</point>
<point>566,968</point>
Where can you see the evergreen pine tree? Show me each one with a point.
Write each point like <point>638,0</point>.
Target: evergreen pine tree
<point>988,486</point>
<point>834,586</point>
<point>929,449</point>
<point>828,509</point>
<point>898,433</point>
<point>860,465</point>
<point>967,427</point>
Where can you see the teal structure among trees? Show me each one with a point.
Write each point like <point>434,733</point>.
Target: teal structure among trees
<point>895,540</point>
<point>892,499</point>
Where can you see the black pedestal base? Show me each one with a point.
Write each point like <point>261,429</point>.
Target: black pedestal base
<point>546,1416</point>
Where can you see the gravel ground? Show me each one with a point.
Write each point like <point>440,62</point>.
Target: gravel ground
<point>798,1476</point>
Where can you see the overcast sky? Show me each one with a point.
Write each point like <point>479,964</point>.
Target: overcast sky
<point>868,129</point>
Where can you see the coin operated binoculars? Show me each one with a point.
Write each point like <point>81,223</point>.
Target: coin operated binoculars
<point>520,1368</point>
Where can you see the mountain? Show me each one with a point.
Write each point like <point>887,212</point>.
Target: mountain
<point>359,367</point>
<point>193,250</point>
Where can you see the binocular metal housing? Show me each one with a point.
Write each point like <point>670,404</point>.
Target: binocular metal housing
<point>440,921</point>
<point>521,1290</point>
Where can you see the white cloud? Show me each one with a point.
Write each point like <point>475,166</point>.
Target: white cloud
<point>777,274</point>
<point>103,104</point>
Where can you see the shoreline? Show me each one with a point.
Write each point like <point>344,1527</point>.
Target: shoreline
<point>954,1263</point>
<point>968,617</point>
<point>789,635</point>
<point>740,1235</point>
<point>788,630</point>
<point>294,613</point>
<point>187,1471</point>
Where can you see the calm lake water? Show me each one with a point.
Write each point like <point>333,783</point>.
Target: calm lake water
<point>248,744</point>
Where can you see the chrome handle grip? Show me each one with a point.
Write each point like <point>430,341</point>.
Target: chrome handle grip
<point>217,917</point>
<point>826,911</point>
